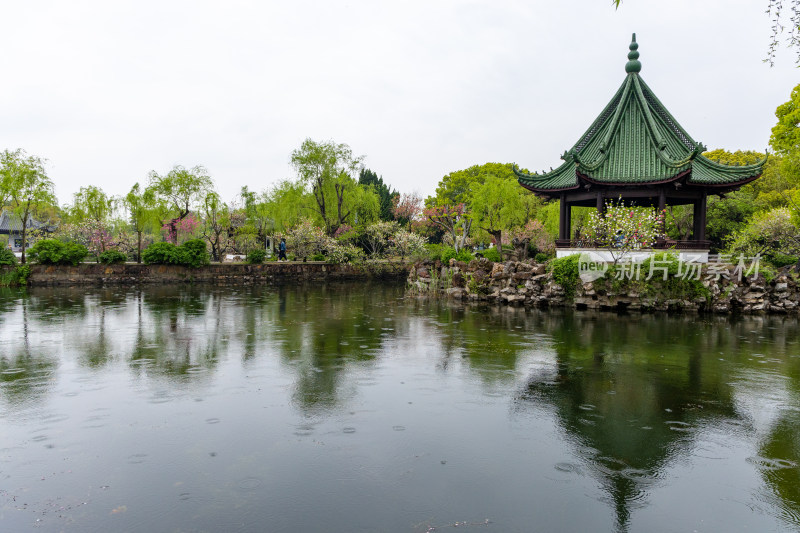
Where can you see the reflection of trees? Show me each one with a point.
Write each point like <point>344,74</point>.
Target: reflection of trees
<point>178,329</point>
<point>629,393</point>
<point>779,464</point>
<point>25,374</point>
<point>322,332</point>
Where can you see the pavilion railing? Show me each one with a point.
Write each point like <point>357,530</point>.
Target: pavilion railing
<point>661,244</point>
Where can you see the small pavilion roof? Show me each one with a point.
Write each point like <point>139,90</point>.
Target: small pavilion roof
<point>636,141</point>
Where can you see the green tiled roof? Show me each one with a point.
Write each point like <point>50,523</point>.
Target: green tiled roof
<point>635,140</point>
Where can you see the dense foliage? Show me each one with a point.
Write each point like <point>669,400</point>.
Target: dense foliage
<point>112,257</point>
<point>55,252</point>
<point>7,257</point>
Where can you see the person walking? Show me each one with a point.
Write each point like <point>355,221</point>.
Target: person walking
<point>282,250</point>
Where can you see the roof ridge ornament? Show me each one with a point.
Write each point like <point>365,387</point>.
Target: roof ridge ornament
<point>633,66</point>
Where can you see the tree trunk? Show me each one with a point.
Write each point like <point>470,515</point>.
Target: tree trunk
<point>139,249</point>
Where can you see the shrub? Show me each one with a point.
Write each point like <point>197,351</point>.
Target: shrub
<point>565,272</point>
<point>345,254</point>
<point>318,257</point>
<point>778,260</point>
<point>55,252</point>
<point>112,257</point>
<point>7,257</point>
<point>256,256</point>
<point>450,253</point>
<point>492,254</point>
<point>17,276</point>
<point>194,253</point>
<point>434,251</point>
<point>542,257</point>
<point>162,253</point>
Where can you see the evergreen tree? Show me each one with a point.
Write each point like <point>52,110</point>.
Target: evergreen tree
<point>385,194</point>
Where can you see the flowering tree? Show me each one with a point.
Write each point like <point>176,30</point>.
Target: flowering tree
<point>454,219</point>
<point>621,229</point>
<point>406,243</point>
<point>535,232</point>
<point>407,208</point>
<point>180,228</point>
<point>378,237</point>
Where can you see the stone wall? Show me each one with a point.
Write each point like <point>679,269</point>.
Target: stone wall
<point>219,274</point>
<point>529,284</point>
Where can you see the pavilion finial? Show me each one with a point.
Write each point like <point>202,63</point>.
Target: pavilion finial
<point>633,66</point>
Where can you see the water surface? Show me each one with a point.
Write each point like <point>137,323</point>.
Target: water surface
<point>349,408</point>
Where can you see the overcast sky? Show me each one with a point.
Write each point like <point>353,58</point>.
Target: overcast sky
<point>108,90</point>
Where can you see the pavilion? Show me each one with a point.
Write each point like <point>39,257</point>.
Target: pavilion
<point>635,150</point>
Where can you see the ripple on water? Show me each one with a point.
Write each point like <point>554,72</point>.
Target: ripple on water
<point>137,458</point>
<point>13,371</point>
<point>769,464</point>
<point>304,430</point>
<point>398,428</point>
<point>570,468</point>
<point>349,429</point>
<point>249,483</point>
<point>677,425</point>
<point>212,420</point>
<point>196,370</point>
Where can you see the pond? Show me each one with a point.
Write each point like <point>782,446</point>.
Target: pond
<point>350,408</point>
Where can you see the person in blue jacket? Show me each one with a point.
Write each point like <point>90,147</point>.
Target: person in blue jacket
<point>282,250</point>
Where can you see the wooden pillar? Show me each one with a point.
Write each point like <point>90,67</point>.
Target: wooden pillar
<point>563,232</point>
<point>662,206</point>
<point>601,206</point>
<point>699,219</point>
<point>569,221</point>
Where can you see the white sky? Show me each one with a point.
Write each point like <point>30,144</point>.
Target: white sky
<point>108,90</point>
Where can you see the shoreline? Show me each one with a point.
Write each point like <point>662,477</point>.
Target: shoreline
<point>97,274</point>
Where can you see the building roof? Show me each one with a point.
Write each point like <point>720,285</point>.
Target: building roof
<point>11,223</point>
<point>636,141</point>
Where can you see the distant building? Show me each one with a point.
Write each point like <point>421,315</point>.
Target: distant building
<point>11,225</point>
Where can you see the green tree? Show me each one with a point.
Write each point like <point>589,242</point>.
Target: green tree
<point>327,170</point>
<point>497,205</point>
<point>181,189</point>
<point>216,220</point>
<point>142,212</point>
<point>258,212</point>
<point>785,139</point>
<point>26,186</point>
<point>386,195</point>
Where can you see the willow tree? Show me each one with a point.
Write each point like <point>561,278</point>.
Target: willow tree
<point>26,186</point>
<point>328,170</point>
<point>181,189</point>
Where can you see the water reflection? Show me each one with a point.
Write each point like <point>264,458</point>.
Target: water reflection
<point>629,398</point>
<point>632,393</point>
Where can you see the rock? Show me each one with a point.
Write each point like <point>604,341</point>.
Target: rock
<point>456,293</point>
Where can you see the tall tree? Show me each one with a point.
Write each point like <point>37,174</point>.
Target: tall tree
<point>182,189</point>
<point>258,214</point>
<point>28,188</point>
<point>386,195</point>
<point>327,169</point>
<point>216,220</point>
<point>497,205</point>
<point>141,206</point>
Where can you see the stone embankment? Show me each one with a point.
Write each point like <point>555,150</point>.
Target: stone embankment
<point>530,284</point>
<point>216,274</point>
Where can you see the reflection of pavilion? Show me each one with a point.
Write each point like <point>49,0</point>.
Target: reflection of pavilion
<point>628,415</point>
<point>636,150</point>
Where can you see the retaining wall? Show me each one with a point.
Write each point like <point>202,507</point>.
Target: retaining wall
<point>219,274</point>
